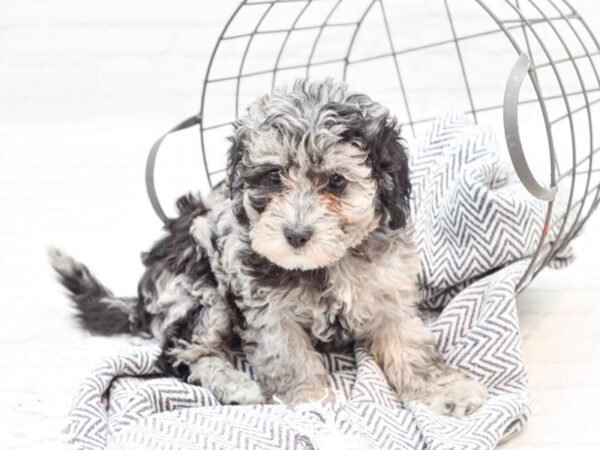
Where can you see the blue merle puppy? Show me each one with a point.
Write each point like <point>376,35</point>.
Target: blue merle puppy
<point>306,246</point>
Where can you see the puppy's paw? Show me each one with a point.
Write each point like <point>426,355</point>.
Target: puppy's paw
<point>232,387</point>
<point>457,395</point>
<point>307,394</point>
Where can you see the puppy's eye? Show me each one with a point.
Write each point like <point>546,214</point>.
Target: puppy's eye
<point>274,177</point>
<point>337,182</point>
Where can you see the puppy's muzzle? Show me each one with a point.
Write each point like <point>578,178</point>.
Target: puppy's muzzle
<point>297,237</point>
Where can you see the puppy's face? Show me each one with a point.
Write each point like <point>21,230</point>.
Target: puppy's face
<point>305,213</point>
<point>313,171</point>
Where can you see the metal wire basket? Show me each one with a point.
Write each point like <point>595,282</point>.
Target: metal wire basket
<point>527,67</point>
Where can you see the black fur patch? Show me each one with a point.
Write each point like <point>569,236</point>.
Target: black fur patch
<point>87,293</point>
<point>259,199</point>
<point>177,252</point>
<point>238,317</point>
<point>235,183</point>
<point>267,274</point>
<point>181,329</point>
<point>165,363</point>
<point>390,168</point>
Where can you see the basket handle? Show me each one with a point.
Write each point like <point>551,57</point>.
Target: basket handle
<point>511,128</point>
<point>151,162</point>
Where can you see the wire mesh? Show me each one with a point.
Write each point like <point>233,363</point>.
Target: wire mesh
<point>386,49</point>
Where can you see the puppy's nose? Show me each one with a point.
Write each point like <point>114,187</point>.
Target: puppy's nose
<point>298,237</point>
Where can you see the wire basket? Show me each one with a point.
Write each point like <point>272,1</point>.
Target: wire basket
<point>526,67</point>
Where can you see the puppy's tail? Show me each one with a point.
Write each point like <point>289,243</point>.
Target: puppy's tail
<point>98,310</point>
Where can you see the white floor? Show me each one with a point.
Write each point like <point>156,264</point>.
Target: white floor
<point>73,177</point>
<point>559,316</point>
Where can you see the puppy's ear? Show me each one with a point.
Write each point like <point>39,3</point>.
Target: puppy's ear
<point>390,169</point>
<point>234,186</point>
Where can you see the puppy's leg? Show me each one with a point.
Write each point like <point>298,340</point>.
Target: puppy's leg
<point>228,384</point>
<point>208,361</point>
<point>406,351</point>
<point>285,360</point>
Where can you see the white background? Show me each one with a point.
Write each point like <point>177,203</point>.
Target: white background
<point>85,88</point>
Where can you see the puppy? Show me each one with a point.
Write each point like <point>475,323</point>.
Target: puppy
<point>305,246</point>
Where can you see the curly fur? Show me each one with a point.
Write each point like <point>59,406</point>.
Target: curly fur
<point>228,270</point>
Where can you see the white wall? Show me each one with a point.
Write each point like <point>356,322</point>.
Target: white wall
<point>64,59</point>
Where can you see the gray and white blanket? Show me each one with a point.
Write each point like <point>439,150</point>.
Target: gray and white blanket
<point>475,226</point>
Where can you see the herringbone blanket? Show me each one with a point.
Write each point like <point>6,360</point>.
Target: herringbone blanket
<point>475,226</point>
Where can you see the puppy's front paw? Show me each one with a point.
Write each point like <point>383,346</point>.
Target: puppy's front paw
<point>232,387</point>
<point>457,395</point>
<point>307,394</point>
